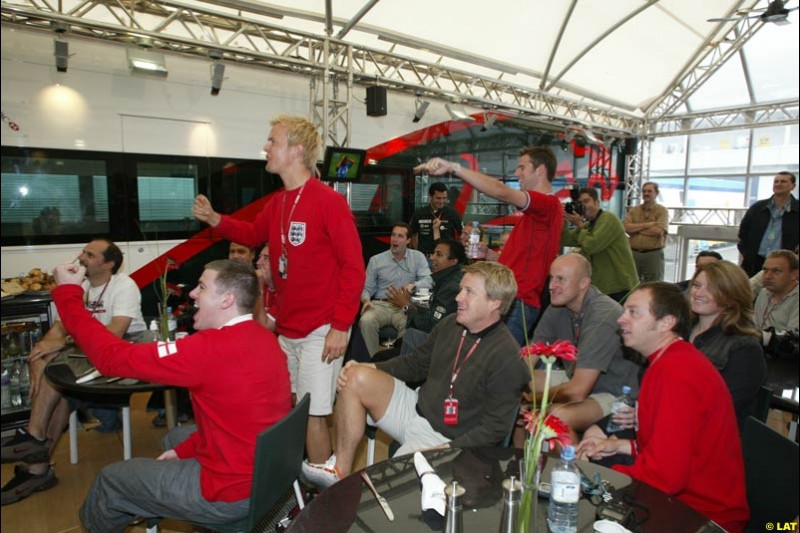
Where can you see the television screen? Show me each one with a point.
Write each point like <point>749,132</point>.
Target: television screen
<point>343,164</point>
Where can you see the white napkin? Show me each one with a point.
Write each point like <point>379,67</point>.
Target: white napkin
<point>91,376</point>
<point>608,526</point>
<point>432,485</point>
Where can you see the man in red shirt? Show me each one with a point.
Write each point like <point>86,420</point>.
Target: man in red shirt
<point>535,240</point>
<point>316,264</point>
<point>687,441</point>
<point>239,382</point>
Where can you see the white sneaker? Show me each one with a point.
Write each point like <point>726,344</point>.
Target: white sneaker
<point>322,475</point>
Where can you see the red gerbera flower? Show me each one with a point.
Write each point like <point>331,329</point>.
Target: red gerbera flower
<point>561,349</point>
<point>553,427</point>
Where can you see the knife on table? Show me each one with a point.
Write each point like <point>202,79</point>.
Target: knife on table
<point>381,500</point>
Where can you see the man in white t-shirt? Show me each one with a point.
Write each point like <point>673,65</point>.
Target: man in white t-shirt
<point>114,300</point>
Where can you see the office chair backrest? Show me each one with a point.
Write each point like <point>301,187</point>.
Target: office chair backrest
<point>508,441</point>
<point>771,474</point>
<point>279,459</point>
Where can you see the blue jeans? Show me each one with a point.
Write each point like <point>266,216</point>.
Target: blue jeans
<point>514,320</point>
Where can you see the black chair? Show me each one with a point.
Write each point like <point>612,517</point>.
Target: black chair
<point>761,406</point>
<point>279,458</point>
<point>771,475</point>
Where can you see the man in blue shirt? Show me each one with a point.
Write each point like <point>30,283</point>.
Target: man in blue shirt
<point>770,224</point>
<point>398,267</point>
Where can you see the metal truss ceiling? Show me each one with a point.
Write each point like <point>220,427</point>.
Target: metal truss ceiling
<point>248,35</point>
<point>192,29</point>
<point>774,114</point>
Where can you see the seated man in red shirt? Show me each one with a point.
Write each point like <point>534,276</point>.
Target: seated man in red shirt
<point>687,441</point>
<point>239,382</point>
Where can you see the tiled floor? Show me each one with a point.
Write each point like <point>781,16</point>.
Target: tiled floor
<point>56,510</point>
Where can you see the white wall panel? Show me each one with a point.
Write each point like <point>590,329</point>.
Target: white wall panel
<point>92,105</point>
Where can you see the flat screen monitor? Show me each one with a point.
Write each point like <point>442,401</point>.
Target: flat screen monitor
<point>343,164</point>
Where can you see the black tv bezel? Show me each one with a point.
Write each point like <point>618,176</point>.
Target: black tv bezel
<point>326,163</point>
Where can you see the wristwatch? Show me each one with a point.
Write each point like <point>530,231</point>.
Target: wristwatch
<point>406,309</point>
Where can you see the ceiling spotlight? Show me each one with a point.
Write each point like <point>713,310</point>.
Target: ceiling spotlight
<point>217,75</point>
<point>420,106</point>
<point>488,121</point>
<point>148,63</point>
<point>61,53</point>
<point>458,113</point>
<point>592,137</point>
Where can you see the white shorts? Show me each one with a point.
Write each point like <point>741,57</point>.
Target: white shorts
<point>309,373</point>
<point>402,422</point>
<point>604,399</point>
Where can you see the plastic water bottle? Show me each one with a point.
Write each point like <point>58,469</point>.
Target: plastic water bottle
<point>565,482</point>
<point>25,384</point>
<point>622,401</point>
<point>155,329</point>
<point>5,400</point>
<point>473,249</point>
<point>16,398</point>
<point>172,324</point>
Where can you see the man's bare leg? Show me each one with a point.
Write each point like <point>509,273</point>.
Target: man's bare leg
<point>318,439</point>
<point>42,406</point>
<point>367,391</point>
<point>49,416</point>
<point>579,416</point>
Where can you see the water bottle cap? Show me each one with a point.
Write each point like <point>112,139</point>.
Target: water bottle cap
<point>626,389</point>
<point>476,223</point>
<point>568,453</point>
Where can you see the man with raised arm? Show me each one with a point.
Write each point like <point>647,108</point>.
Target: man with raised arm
<point>316,264</point>
<point>239,384</point>
<point>535,240</point>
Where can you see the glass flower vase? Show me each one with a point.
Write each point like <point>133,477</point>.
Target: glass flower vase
<point>530,474</point>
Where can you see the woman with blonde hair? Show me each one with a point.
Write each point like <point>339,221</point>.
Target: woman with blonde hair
<point>722,328</point>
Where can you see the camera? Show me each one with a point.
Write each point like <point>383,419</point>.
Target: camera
<point>784,344</point>
<point>573,207</point>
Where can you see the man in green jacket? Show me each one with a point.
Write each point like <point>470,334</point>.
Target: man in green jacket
<point>600,237</point>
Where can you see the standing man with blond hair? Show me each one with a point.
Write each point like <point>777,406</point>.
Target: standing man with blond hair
<point>315,261</point>
<point>646,226</point>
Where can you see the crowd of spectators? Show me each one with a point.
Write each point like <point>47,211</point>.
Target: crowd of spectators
<point>465,326</point>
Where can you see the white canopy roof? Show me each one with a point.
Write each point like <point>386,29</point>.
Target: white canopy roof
<point>626,53</point>
<point>630,66</point>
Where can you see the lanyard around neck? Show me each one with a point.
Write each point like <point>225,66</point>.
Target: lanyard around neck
<point>456,367</point>
<point>92,307</point>
<point>662,350</point>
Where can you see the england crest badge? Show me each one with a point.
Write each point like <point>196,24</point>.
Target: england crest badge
<point>297,233</point>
